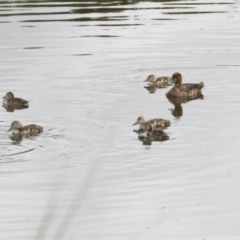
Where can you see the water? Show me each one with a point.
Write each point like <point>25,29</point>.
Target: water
<point>81,65</point>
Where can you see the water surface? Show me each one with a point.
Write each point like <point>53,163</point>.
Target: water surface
<point>81,65</point>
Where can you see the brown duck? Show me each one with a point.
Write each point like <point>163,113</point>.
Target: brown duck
<point>186,90</point>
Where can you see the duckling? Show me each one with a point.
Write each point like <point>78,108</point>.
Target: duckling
<point>186,90</point>
<point>156,122</point>
<point>10,100</point>
<point>151,134</point>
<point>159,82</point>
<point>18,129</point>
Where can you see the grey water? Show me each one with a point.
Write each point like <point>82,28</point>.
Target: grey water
<point>81,65</point>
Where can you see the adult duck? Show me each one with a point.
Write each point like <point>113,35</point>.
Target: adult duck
<point>186,90</point>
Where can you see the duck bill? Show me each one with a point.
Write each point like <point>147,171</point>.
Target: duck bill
<point>10,129</point>
<point>136,123</point>
<point>171,82</point>
<point>146,80</point>
<point>4,97</point>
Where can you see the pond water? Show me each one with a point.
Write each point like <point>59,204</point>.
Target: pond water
<point>81,65</point>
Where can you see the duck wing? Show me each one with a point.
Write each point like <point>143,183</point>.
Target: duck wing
<point>159,122</point>
<point>163,81</point>
<point>32,128</point>
<point>190,86</point>
<point>18,100</point>
<point>163,78</point>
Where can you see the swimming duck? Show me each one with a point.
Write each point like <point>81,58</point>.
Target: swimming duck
<point>18,129</point>
<point>9,99</point>
<point>159,82</point>
<point>156,122</point>
<point>186,90</point>
<point>151,134</point>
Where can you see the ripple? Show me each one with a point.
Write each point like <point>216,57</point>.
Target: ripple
<point>33,48</point>
<point>84,54</point>
<point>88,170</point>
<point>100,36</point>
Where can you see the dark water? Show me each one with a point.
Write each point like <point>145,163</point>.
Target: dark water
<point>81,65</point>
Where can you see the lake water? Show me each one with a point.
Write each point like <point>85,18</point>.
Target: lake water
<point>81,65</point>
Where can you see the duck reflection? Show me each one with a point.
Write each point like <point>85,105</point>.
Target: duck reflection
<point>150,134</point>
<point>146,142</point>
<point>177,111</point>
<point>16,138</point>
<point>151,89</point>
<point>12,108</point>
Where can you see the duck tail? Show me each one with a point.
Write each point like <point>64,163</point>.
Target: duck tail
<point>201,85</point>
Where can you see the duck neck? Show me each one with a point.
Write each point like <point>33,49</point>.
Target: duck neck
<point>178,83</point>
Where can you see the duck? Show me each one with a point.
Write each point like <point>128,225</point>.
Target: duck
<point>10,100</point>
<point>186,90</point>
<point>156,122</point>
<point>159,81</point>
<point>152,134</point>
<point>18,129</point>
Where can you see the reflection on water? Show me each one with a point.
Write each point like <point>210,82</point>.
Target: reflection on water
<point>147,140</point>
<point>87,176</point>
<point>153,89</point>
<point>177,111</point>
<point>16,138</point>
<point>10,108</point>
<point>72,8</point>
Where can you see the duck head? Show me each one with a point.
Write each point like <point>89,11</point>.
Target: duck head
<point>9,95</point>
<point>151,78</point>
<point>15,125</point>
<point>140,120</point>
<point>177,78</point>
